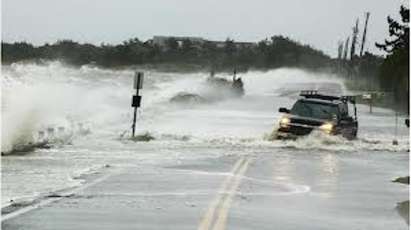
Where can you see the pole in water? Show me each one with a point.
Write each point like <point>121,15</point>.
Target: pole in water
<point>372,95</point>
<point>134,121</point>
<point>368,97</point>
<point>136,100</point>
<point>395,141</point>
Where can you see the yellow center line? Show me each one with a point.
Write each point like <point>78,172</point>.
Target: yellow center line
<point>221,221</point>
<point>208,217</point>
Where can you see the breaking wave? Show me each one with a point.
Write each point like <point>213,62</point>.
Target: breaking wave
<point>48,103</point>
<point>57,104</point>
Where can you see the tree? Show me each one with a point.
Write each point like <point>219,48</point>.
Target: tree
<point>187,46</point>
<point>277,52</point>
<point>394,71</point>
<point>17,51</point>
<point>229,47</point>
<point>172,44</point>
<point>400,33</point>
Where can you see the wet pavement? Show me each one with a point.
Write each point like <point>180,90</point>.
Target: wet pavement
<point>270,188</point>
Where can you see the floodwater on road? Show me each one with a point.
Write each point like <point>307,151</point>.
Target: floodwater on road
<point>316,182</point>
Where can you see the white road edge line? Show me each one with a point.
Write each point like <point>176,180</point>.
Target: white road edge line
<point>51,200</point>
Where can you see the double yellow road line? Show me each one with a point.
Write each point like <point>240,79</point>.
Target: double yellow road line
<point>217,212</point>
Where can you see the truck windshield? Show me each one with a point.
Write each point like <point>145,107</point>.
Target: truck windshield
<point>315,110</point>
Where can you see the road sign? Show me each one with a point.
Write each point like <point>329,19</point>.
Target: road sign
<point>136,101</point>
<point>138,80</point>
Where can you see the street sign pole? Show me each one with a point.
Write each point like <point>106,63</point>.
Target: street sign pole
<point>134,121</point>
<point>136,100</point>
<point>368,97</point>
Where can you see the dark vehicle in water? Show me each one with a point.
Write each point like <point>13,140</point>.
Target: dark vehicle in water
<point>184,97</point>
<point>234,88</point>
<point>328,114</point>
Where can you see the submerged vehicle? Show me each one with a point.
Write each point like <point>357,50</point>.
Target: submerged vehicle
<point>328,114</point>
<point>184,97</point>
<point>234,88</point>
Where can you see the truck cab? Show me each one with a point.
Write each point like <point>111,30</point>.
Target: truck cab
<point>313,111</point>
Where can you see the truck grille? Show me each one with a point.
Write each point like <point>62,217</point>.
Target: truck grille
<point>305,122</point>
<point>298,130</point>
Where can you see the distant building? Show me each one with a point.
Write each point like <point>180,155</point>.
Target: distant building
<point>245,44</point>
<point>221,44</point>
<point>161,41</point>
<point>218,44</point>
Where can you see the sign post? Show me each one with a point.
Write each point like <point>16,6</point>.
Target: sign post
<point>368,97</point>
<point>136,100</point>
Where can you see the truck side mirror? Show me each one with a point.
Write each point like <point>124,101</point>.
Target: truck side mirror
<point>283,110</point>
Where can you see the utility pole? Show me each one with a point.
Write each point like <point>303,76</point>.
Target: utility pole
<point>354,39</point>
<point>136,102</point>
<point>340,49</point>
<point>346,48</point>
<point>340,56</point>
<point>364,34</point>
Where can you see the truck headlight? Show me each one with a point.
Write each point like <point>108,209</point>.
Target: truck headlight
<point>284,122</point>
<point>327,127</point>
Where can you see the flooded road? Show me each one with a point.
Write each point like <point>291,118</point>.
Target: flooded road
<point>212,165</point>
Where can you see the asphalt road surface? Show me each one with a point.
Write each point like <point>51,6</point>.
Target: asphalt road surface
<point>267,189</point>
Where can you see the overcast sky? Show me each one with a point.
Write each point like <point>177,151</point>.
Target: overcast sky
<point>320,23</point>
